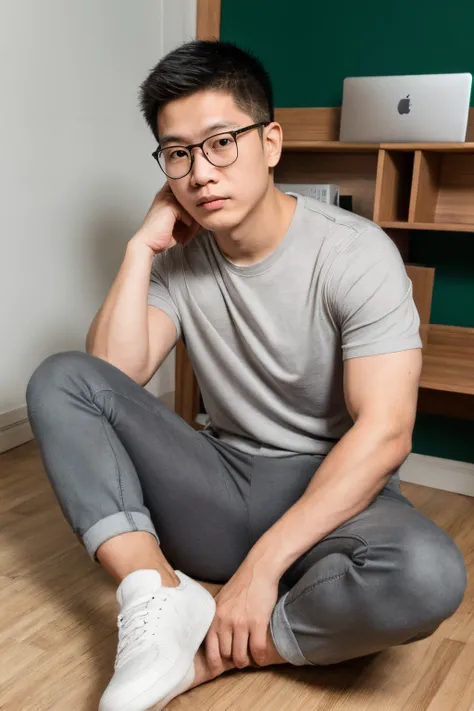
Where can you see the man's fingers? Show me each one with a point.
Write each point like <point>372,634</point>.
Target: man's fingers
<point>258,644</point>
<point>213,655</point>
<point>225,642</point>
<point>240,646</point>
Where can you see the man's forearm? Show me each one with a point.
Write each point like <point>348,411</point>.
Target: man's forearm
<point>120,332</point>
<point>348,480</point>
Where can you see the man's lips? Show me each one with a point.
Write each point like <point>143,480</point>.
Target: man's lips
<point>212,204</point>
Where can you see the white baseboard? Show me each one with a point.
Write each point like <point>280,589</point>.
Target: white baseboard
<point>446,474</point>
<point>15,428</point>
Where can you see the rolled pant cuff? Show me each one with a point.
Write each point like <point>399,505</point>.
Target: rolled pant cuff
<point>121,522</point>
<point>283,637</point>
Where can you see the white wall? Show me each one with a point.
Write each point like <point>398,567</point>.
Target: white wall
<point>76,174</point>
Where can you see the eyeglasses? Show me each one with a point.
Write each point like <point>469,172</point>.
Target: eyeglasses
<point>220,150</point>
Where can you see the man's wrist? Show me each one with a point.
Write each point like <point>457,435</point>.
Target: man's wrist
<point>265,561</point>
<point>138,247</point>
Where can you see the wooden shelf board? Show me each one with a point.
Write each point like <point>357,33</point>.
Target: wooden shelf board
<point>330,146</point>
<point>432,226</point>
<point>449,374</point>
<point>310,145</point>
<point>448,360</point>
<point>467,147</point>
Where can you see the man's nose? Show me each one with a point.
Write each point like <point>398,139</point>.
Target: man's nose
<point>202,170</point>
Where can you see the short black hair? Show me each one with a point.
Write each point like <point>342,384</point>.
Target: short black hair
<point>208,64</point>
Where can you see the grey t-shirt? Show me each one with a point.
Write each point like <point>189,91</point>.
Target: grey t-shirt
<point>267,341</point>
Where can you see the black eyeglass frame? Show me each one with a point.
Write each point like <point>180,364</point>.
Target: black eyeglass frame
<point>200,145</point>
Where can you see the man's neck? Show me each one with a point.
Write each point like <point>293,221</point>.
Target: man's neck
<point>262,230</point>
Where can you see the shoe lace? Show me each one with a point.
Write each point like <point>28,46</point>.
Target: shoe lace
<point>133,626</point>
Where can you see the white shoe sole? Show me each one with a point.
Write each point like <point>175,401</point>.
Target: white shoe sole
<point>181,672</point>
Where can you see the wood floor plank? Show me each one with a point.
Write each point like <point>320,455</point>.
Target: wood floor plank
<point>390,678</point>
<point>60,680</point>
<point>432,678</point>
<point>457,688</point>
<point>16,658</point>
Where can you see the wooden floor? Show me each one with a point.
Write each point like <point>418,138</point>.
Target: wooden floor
<point>57,624</point>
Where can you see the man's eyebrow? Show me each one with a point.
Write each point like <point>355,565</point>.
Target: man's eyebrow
<point>209,130</point>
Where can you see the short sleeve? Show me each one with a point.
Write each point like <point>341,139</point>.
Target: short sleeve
<point>159,294</point>
<point>370,297</point>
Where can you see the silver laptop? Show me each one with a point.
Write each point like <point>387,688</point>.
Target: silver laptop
<point>418,107</point>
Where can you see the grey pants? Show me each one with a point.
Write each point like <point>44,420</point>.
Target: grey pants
<point>119,460</point>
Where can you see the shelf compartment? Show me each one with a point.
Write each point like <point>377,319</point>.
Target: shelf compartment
<point>393,189</point>
<point>424,196</point>
<point>455,202</point>
<point>443,189</point>
<point>446,403</point>
<point>353,172</point>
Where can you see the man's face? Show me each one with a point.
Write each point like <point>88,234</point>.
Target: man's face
<point>243,183</point>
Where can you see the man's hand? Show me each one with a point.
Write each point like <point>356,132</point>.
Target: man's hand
<point>166,223</point>
<point>240,627</point>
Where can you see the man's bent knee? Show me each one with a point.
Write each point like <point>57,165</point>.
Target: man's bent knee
<point>421,584</point>
<point>52,370</point>
<point>56,375</point>
<point>434,578</point>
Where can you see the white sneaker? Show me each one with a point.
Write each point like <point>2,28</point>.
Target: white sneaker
<point>160,631</point>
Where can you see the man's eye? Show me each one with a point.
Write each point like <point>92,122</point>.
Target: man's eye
<point>177,154</point>
<point>221,143</point>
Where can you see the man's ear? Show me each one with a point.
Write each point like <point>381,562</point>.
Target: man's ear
<point>273,143</point>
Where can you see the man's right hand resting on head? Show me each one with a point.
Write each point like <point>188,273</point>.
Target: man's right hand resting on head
<point>126,331</point>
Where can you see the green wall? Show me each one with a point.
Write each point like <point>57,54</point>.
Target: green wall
<point>308,47</point>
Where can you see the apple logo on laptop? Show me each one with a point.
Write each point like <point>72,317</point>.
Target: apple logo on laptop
<point>404,105</point>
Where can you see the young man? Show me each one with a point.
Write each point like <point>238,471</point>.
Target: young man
<point>300,324</point>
